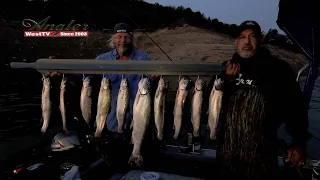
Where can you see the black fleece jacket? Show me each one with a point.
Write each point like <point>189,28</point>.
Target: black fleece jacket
<point>281,90</point>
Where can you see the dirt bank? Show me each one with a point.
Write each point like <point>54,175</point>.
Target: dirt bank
<point>195,44</point>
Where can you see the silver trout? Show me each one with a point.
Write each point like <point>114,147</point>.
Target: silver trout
<point>159,106</point>
<point>46,104</point>
<point>62,104</point>
<point>181,97</point>
<point>196,106</point>
<point>122,104</point>
<point>85,100</point>
<point>104,105</point>
<point>215,103</point>
<point>141,118</point>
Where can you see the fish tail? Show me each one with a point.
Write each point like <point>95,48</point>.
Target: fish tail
<point>212,135</point>
<point>64,126</point>
<point>177,126</point>
<point>65,132</point>
<point>176,133</point>
<point>120,129</point>
<point>160,135</point>
<point>136,159</point>
<point>44,127</point>
<point>195,133</point>
<point>97,134</point>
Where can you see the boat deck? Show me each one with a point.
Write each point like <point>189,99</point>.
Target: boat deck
<point>12,149</point>
<point>135,174</point>
<point>170,163</point>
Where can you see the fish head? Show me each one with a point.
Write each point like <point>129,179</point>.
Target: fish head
<point>144,86</point>
<point>183,83</point>
<point>105,83</point>
<point>63,82</point>
<point>199,84</point>
<point>124,83</point>
<point>46,81</point>
<point>86,82</point>
<point>162,85</point>
<point>218,84</point>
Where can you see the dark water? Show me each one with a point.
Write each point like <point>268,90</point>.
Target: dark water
<point>20,111</point>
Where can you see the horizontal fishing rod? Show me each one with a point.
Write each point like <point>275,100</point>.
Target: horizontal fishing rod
<point>91,66</point>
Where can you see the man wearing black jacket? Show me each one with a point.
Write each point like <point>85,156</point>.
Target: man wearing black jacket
<point>260,93</point>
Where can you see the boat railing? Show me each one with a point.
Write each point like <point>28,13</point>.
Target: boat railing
<point>301,71</point>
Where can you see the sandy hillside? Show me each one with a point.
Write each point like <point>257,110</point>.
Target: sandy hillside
<point>184,44</point>
<point>195,44</point>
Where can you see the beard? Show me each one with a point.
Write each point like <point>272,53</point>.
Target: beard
<point>246,54</point>
<point>126,49</point>
<point>247,51</point>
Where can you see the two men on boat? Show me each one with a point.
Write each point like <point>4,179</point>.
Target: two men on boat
<point>260,93</point>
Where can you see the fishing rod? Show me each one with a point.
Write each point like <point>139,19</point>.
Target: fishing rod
<point>150,38</point>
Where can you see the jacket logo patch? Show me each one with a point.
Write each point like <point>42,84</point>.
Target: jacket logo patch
<point>243,81</point>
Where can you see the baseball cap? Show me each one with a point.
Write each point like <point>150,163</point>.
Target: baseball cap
<point>122,27</point>
<point>249,25</point>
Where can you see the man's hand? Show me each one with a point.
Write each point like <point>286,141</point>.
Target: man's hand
<point>52,74</point>
<point>296,157</point>
<point>232,70</point>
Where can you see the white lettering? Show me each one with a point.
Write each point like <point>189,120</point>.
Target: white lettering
<point>36,34</point>
<point>239,79</point>
<point>248,81</point>
<point>55,34</point>
<point>81,34</point>
<point>66,34</point>
<point>243,81</point>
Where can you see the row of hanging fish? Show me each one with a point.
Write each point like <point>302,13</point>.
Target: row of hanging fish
<point>141,107</point>
<point>46,104</point>
<point>215,103</point>
<point>104,104</point>
<point>142,110</point>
